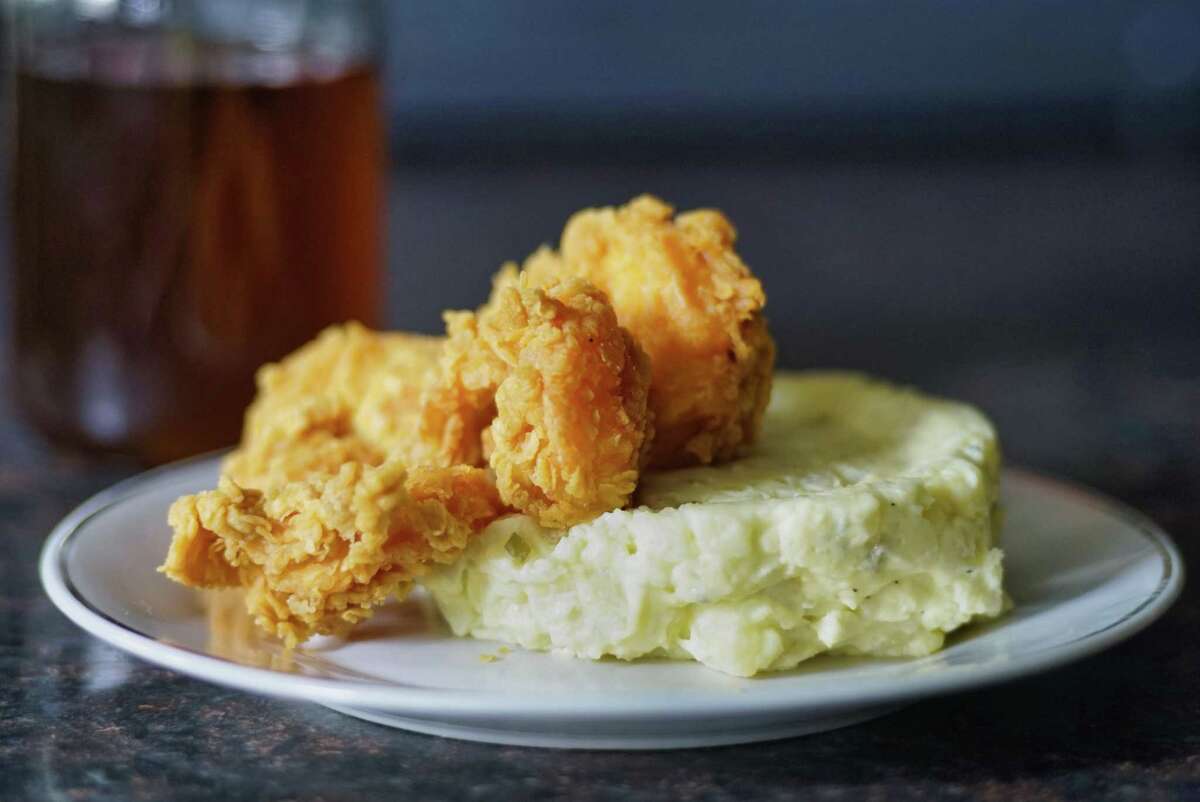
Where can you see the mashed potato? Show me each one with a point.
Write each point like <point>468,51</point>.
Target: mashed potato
<point>862,523</point>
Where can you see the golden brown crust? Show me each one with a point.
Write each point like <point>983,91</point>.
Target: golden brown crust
<point>316,519</point>
<point>349,395</point>
<point>318,554</point>
<point>562,392</point>
<point>572,411</point>
<point>684,294</point>
<point>455,409</point>
<point>640,343</point>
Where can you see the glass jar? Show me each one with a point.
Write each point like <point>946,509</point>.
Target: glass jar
<point>197,191</point>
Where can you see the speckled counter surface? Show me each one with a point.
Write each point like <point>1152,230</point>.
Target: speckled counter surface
<point>82,721</point>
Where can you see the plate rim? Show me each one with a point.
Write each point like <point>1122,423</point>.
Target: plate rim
<point>449,703</point>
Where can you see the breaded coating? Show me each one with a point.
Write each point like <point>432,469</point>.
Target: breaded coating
<point>571,417</point>
<point>395,415</point>
<point>681,290</point>
<point>455,410</point>
<point>317,554</point>
<point>349,395</point>
<point>640,343</point>
<point>564,389</point>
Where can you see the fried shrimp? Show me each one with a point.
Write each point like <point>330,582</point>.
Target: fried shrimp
<point>681,290</point>
<point>315,556</point>
<point>345,396</point>
<point>571,416</point>
<point>455,410</point>
<point>368,458</point>
<point>556,393</point>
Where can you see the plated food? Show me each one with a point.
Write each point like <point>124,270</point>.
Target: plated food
<point>580,465</point>
<point>1084,573</point>
<point>862,523</point>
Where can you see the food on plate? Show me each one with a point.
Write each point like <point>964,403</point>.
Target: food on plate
<point>563,391</point>
<point>577,466</point>
<point>690,301</point>
<point>559,386</point>
<point>315,555</point>
<point>349,395</point>
<point>862,523</point>
<point>545,376</point>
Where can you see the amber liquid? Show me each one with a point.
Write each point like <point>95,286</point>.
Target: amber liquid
<point>172,235</point>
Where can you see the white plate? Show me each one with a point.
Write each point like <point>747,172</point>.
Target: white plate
<point>1084,573</point>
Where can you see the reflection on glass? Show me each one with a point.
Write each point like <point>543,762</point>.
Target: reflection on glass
<point>197,191</point>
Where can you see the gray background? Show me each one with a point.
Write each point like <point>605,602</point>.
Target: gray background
<point>919,184</point>
<point>874,72</point>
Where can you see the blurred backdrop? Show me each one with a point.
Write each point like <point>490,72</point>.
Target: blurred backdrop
<point>526,78</point>
<point>1018,170</point>
<point>985,198</point>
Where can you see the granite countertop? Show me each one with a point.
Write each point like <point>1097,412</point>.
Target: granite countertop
<point>80,720</point>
